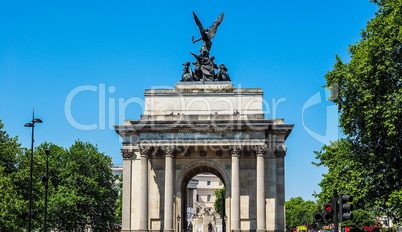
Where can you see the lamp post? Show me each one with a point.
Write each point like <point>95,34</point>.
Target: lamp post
<point>32,125</point>
<point>45,180</point>
<point>178,223</point>
<point>225,218</point>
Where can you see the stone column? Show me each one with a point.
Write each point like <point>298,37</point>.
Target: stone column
<point>194,201</point>
<point>280,153</point>
<point>143,207</point>
<point>235,201</point>
<point>169,190</point>
<point>126,206</point>
<point>261,220</point>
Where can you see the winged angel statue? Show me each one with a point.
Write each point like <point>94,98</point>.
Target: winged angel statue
<point>207,34</point>
<point>204,67</point>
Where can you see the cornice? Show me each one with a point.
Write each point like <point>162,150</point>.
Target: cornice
<point>202,126</point>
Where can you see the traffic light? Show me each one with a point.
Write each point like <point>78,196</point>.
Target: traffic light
<point>344,209</point>
<point>328,212</point>
<point>318,217</point>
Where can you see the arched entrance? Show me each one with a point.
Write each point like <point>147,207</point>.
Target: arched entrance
<point>191,170</point>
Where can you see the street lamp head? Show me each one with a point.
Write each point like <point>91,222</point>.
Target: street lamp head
<point>178,217</point>
<point>47,151</point>
<point>37,120</point>
<point>32,124</point>
<point>29,124</point>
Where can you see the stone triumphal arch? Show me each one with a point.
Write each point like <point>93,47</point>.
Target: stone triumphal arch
<point>203,127</point>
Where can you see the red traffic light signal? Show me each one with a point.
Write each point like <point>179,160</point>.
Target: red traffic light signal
<point>328,208</point>
<point>328,212</point>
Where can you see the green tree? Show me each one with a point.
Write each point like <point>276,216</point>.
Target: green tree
<point>299,212</point>
<point>84,184</point>
<point>81,187</point>
<point>347,176</point>
<point>119,203</point>
<point>9,148</point>
<point>368,92</point>
<point>14,208</point>
<point>220,201</point>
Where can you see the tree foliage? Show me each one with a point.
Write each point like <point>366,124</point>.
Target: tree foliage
<point>12,203</point>
<point>119,203</point>
<point>9,148</point>
<point>368,92</point>
<point>220,201</point>
<point>347,176</point>
<point>85,185</point>
<point>299,212</point>
<point>81,190</point>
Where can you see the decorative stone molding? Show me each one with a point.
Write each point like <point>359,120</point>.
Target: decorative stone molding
<point>127,153</point>
<point>260,150</point>
<point>247,152</point>
<point>187,153</point>
<point>219,153</point>
<point>280,150</point>
<point>159,153</point>
<point>235,151</point>
<point>203,153</point>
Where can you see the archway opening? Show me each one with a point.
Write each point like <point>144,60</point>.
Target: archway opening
<point>200,188</point>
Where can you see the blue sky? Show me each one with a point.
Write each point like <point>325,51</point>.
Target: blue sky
<point>116,50</point>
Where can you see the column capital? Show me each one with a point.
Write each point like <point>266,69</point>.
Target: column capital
<point>169,151</point>
<point>127,153</point>
<point>146,151</point>
<point>260,150</point>
<point>280,151</point>
<point>235,151</point>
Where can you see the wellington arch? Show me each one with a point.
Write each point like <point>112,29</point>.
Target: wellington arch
<point>201,125</point>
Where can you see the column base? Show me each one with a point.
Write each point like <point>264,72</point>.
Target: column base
<point>168,230</point>
<point>257,230</point>
<point>236,230</point>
